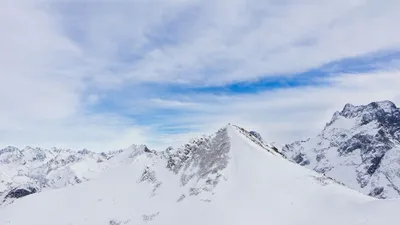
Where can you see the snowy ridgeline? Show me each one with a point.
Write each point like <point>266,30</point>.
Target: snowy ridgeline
<point>359,147</point>
<point>231,177</point>
<point>31,170</point>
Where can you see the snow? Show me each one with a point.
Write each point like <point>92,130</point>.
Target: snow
<point>387,106</point>
<point>342,122</point>
<point>257,186</point>
<point>358,147</point>
<point>48,168</point>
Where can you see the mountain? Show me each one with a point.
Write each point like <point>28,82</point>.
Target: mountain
<point>359,147</point>
<point>31,170</point>
<point>230,177</point>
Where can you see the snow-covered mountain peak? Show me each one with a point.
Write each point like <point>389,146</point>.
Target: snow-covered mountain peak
<point>84,151</point>
<point>130,154</point>
<point>387,106</point>
<point>369,112</point>
<point>14,155</point>
<point>362,142</point>
<point>8,149</point>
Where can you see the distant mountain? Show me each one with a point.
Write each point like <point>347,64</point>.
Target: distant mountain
<point>359,147</point>
<point>230,177</point>
<point>31,170</point>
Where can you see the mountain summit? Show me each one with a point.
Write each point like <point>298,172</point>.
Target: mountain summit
<point>360,147</point>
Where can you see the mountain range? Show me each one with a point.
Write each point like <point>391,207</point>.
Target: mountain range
<point>31,170</point>
<point>230,177</point>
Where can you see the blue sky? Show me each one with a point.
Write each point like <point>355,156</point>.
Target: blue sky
<point>105,75</point>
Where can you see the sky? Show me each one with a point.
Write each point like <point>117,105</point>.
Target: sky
<point>103,75</point>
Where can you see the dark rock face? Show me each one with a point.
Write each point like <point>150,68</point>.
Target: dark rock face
<point>375,163</point>
<point>363,140</point>
<point>377,192</point>
<point>20,192</point>
<point>300,159</point>
<point>147,149</point>
<point>256,135</point>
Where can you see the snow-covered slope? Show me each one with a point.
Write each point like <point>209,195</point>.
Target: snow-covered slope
<point>226,178</point>
<point>359,147</point>
<point>31,170</point>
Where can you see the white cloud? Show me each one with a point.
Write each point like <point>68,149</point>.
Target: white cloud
<point>31,57</point>
<point>162,103</point>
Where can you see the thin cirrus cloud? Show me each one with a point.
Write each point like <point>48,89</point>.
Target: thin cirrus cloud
<point>107,74</point>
